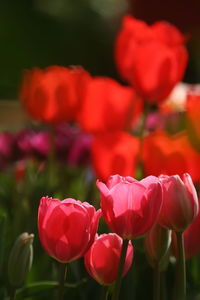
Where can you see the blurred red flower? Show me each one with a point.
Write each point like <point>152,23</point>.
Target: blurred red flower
<point>193,116</point>
<point>114,153</point>
<point>102,259</point>
<point>108,106</point>
<point>164,154</point>
<point>53,95</point>
<point>152,58</point>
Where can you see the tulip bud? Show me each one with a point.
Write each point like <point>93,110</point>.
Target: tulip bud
<point>20,259</point>
<point>180,202</point>
<point>157,243</point>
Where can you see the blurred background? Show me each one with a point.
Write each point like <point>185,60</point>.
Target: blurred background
<point>80,32</point>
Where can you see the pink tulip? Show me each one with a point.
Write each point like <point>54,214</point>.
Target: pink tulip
<point>180,202</point>
<point>66,228</point>
<point>102,259</point>
<point>130,207</point>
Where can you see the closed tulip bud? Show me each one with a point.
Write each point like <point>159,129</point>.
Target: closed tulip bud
<point>157,243</point>
<point>20,259</point>
<point>180,202</point>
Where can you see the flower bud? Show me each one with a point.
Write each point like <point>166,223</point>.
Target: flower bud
<point>157,243</point>
<point>20,259</point>
<point>180,202</point>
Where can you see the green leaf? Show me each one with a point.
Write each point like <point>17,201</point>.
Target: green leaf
<point>41,286</point>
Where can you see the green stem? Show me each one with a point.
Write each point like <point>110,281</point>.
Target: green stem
<point>116,292</point>
<point>13,294</point>
<point>180,284</point>
<point>156,295</point>
<point>163,288</point>
<point>104,293</point>
<point>61,280</point>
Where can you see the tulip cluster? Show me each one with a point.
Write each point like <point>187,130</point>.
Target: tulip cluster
<point>131,208</point>
<point>152,59</point>
<point>145,156</point>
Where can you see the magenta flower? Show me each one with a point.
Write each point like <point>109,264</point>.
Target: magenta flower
<point>130,207</point>
<point>102,259</point>
<point>66,228</point>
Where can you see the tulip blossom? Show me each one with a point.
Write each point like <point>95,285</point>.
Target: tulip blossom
<point>53,95</point>
<point>152,58</point>
<point>114,153</point>
<point>102,259</point>
<point>180,202</point>
<point>130,207</point>
<point>165,154</point>
<point>108,106</point>
<point>66,228</point>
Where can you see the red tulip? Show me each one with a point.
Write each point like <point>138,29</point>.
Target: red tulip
<point>108,106</point>
<point>193,116</point>
<point>53,95</point>
<point>66,228</point>
<point>130,207</point>
<point>102,259</point>
<point>180,202</point>
<point>114,153</point>
<point>164,154</point>
<point>152,58</point>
